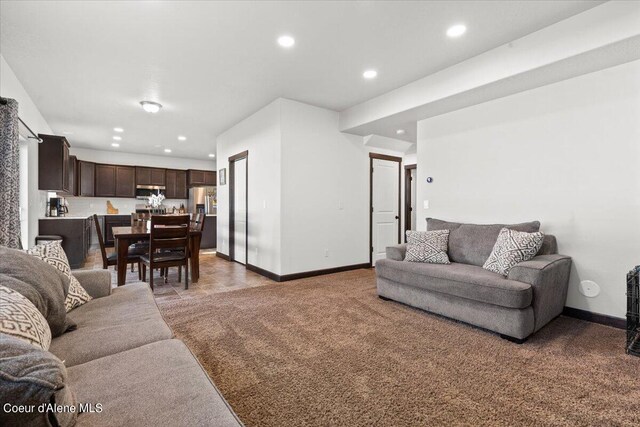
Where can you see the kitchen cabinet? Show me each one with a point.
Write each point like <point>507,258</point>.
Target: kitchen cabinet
<point>86,178</point>
<point>105,180</point>
<point>150,176</point>
<point>75,233</point>
<point>53,163</point>
<point>176,187</point>
<point>111,221</point>
<point>73,181</point>
<point>125,181</point>
<point>200,177</point>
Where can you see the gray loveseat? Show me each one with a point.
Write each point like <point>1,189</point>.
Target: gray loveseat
<point>516,306</point>
<point>123,356</point>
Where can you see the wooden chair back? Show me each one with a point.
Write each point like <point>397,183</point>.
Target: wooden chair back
<point>197,222</point>
<point>140,219</point>
<point>169,232</point>
<point>103,251</point>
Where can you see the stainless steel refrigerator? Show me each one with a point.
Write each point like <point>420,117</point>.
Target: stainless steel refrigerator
<point>202,199</point>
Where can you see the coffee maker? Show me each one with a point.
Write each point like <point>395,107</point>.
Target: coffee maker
<point>57,206</point>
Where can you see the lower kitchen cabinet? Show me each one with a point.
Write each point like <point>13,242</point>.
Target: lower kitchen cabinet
<point>209,232</point>
<point>75,233</point>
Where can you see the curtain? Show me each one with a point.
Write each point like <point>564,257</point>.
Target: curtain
<point>9,175</point>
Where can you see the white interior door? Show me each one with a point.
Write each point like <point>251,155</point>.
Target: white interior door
<point>414,182</point>
<point>240,211</point>
<point>385,215</point>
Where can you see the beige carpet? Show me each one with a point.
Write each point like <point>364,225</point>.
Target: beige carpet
<point>326,351</point>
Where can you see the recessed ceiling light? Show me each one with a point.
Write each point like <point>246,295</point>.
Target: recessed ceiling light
<point>370,74</point>
<point>456,30</point>
<point>150,106</point>
<point>115,144</point>
<point>182,138</point>
<point>286,41</point>
<point>117,138</point>
<point>167,150</point>
<point>400,132</point>
<point>212,155</point>
<point>119,130</point>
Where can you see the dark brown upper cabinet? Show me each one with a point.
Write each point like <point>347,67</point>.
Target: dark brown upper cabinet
<point>73,181</point>
<point>150,176</point>
<point>201,177</point>
<point>105,180</point>
<point>53,163</point>
<point>86,178</point>
<point>125,181</point>
<point>176,184</point>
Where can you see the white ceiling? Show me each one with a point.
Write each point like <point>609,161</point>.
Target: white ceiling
<point>88,64</point>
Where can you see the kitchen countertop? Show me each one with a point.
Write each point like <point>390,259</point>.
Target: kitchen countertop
<point>65,217</point>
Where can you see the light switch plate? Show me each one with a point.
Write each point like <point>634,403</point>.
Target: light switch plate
<point>425,204</point>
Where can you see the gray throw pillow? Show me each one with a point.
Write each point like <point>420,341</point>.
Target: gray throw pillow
<point>427,246</point>
<point>511,248</point>
<point>44,285</point>
<point>31,376</point>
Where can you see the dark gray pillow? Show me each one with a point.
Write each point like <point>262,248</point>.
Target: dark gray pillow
<point>42,284</point>
<point>473,243</point>
<point>32,376</point>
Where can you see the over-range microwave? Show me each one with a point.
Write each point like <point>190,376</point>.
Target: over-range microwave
<point>144,191</point>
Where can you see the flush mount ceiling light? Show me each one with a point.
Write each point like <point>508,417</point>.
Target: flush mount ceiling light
<point>456,30</point>
<point>150,106</point>
<point>115,144</point>
<point>182,138</point>
<point>119,130</point>
<point>167,150</point>
<point>117,138</point>
<point>286,41</point>
<point>212,155</point>
<point>400,132</point>
<point>370,74</point>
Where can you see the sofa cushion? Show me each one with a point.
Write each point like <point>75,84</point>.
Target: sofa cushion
<point>44,285</point>
<point>32,376</point>
<point>126,319</point>
<point>511,248</point>
<point>461,280</point>
<point>473,243</point>
<point>52,253</point>
<point>153,385</point>
<point>20,318</point>
<point>427,246</point>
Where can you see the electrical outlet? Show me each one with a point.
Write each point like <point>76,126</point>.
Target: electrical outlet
<point>425,204</point>
<point>326,253</point>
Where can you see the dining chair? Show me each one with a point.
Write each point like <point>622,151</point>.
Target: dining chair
<point>195,224</point>
<point>133,256</point>
<point>168,246</point>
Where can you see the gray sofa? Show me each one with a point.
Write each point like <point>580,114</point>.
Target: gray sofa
<point>123,356</point>
<point>516,306</point>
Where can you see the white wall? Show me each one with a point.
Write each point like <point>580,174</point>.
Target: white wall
<point>121,158</point>
<point>566,154</point>
<point>10,87</point>
<point>260,135</point>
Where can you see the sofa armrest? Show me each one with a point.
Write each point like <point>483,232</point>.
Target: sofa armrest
<point>397,252</point>
<point>548,276</point>
<point>97,283</point>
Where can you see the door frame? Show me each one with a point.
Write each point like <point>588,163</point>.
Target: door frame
<point>232,162</point>
<point>373,156</point>
<point>407,197</point>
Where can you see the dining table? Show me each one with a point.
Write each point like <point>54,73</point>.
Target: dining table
<point>126,236</point>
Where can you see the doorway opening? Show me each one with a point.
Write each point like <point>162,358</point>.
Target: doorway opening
<point>238,207</point>
<point>410,181</point>
<point>384,203</point>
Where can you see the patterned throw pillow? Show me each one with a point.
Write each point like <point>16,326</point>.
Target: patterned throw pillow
<point>52,253</point>
<point>511,248</point>
<point>21,319</point>
<point>427,246</point>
